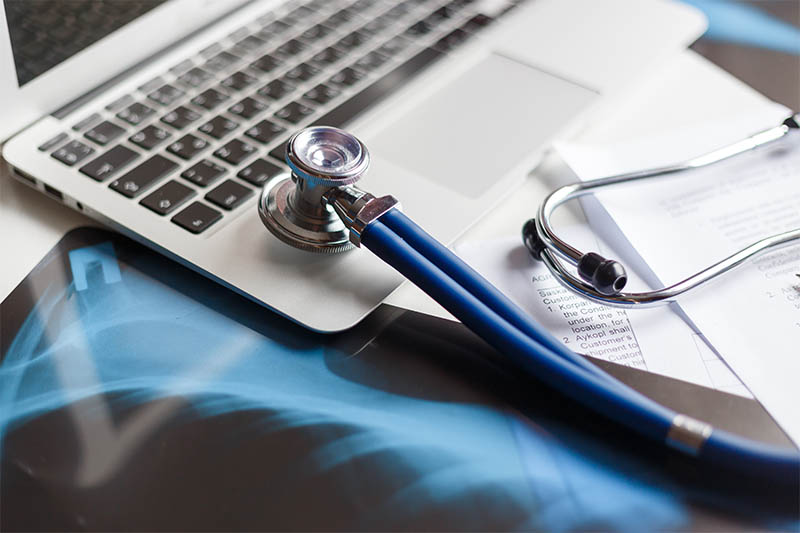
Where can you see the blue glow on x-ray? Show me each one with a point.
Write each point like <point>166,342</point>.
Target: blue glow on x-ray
<point>142,340</point>
<point>740,23</point>
<point>98,256</point>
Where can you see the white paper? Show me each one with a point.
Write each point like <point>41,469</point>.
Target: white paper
<point>752,317</point>
<point>656,340</point>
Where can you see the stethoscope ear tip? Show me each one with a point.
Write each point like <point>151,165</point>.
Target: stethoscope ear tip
<point>608,277</point>
<point>531,239</point>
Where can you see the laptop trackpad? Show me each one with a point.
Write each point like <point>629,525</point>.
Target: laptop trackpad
<point>473,131</point>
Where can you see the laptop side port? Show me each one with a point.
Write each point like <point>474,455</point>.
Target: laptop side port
<point>26,177</point>
<point>51,191</point>
<point>55,193</point>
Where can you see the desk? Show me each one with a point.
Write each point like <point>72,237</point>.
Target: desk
<point>179,470</point>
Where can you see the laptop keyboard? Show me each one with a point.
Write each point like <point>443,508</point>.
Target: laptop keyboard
<point>213,128</point>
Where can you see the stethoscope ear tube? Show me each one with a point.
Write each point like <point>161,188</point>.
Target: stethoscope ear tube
<point>460,272</point>
<point>465,294</point>
<point>602,280</point>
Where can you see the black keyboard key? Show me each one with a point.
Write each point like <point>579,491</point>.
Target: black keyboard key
<point>259,172</point>
<point>341,17</point>
<point>195,77</point>
<point>137,180</point>
<point>441,14</point>
<point>229,194</point>
<point>221,61</point>
<point>279,152</point>
<point>299,14</point>
<point>265,131</point>
<point>166,94</point>
<point>393,46</point>
<point>418,29</point>
<point>300,73</point>
<point>322,94</point>
<point>477,23</point>
<point>346,77</point>
<point>362,5</point>
<point>294,112</point>
<point>104,133</point>
<point>210,50</point>
<point>275,89</point>
<point>180,117</point>
<point>187,146</point>
<point>238,81</point>
<point>327,56</point>
<point>150,137</point>
<point>88,121</point>
<point>248,108</point>
<point>290,48</point>
<point>452,40</point>
<point>51,143</point>
<point>218,127</point>
<point>167,198</point>
<point>135,113</point>
<point>351,41</point>
<point>376,25</point>
<point>209,99</point>
<point>400,10</point>
<point>73,152</point>
<point>203,173</point>
<point>266,63</point>
<point>276,27</point>
<point>107,164</point>
<point>315,32</point>
<point>235,151</point>
<point>151,85</point>
<point>182,67</point>
<point>317,4</point>
<point>119,103</point>
<point>370,61</point>
<point>251,43</point>
<point>197,217</point>
<point>387,84</point>
<point>239,34</point>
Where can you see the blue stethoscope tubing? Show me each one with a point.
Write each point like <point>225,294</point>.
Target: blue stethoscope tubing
<point>481,307</point>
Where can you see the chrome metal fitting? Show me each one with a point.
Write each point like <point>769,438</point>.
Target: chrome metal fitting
<point>358,209</point>
<point>688,434</point>
<point>318,209</point>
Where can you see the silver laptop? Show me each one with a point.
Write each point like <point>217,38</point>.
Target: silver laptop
<point>163,118</point>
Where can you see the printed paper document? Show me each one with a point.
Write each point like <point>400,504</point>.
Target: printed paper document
<point>683,224</point>
<point>657,340</point>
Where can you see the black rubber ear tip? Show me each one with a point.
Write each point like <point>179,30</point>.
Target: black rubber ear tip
<point>531,239</point>
<point>607,276</point>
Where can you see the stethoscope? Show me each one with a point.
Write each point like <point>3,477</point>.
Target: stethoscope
<point>319,208</point>
<point>601,279</point>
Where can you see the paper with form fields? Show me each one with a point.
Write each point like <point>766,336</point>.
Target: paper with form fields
<point>656,340</point>
<point>682,224</point>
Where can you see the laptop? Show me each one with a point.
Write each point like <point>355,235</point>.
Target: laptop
<point>164,118</point>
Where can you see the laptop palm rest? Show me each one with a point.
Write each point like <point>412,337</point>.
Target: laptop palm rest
<point>482,124</point>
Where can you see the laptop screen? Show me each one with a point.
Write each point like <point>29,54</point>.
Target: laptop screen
<point>45,33</point>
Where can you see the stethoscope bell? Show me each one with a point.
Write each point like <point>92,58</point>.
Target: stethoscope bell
<point>321,158</point>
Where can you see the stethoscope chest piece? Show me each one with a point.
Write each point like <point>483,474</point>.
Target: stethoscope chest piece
<point>292,208</point>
